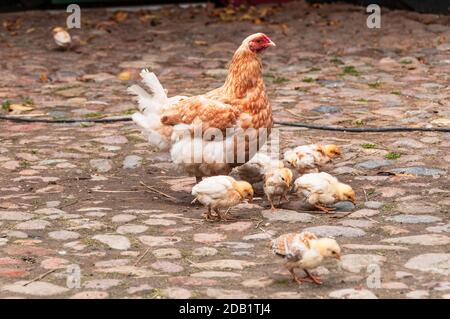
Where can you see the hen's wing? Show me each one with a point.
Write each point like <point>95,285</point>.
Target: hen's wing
<point>210,113</point>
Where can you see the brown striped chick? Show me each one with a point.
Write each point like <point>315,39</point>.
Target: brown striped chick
<point>306,251</point>
<point>307,158</point>
<point>322,189</point>
<point>221,192</point>
<point>277,182</point>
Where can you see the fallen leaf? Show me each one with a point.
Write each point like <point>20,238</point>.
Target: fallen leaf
<point>120,16</point>
<point>124,76</point>
<point>200,42</point>
<point>20,107</point>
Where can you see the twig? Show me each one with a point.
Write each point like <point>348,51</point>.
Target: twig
<point>365,195</point>
<point>141,257</point>
<point>108,191</point>
<point>336,215</point>
<point>259,223</point>
<point>158,191</point>
<point>190,261</point>
<point>39,277</point>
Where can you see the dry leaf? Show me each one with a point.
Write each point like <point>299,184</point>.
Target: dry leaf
<point>200,42</point>
<point>120,16</point>
<point>20,107</point>
<point>124,76</point>
<point>43,77</point>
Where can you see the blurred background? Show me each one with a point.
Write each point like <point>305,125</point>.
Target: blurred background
<point>424,6</point>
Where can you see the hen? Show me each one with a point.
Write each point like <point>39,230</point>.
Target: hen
<point>307,158</point>
<point>219,192</point>
<point>210,134</point>
<point>323,189</point>
<point>305,251</point>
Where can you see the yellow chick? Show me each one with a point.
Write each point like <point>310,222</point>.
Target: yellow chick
<point>221,192</point>
<point>62,37</point>
<point>277,183</point>
<point>254,170</point>
<point>306,251</point>
<point>323,189</point>
<point>307,158</point>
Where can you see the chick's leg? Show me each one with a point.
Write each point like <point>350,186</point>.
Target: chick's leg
<point>315,279</point>
<point>272,206</point>
<point>323,208</point>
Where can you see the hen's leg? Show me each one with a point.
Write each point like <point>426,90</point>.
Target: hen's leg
<point>208,215</point>
<point>315,279</point>
<point>198,179</point>
<point>219,215</point>
<point>323,208</point>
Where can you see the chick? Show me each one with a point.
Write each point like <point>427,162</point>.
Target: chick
<point>221,192</point>
<point>277,183</point>
<point>62,38</point>
<point>323,189</point>
<point>304,250</point>
<point>254,170</point>
<point>307,158</point>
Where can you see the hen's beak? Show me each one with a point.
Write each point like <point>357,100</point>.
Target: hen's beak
<point>271,44</point>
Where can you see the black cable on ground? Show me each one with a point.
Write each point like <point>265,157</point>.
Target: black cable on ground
<point>365,129</point>
<point>294,124</point>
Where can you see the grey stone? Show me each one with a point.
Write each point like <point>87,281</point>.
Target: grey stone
<point>355,262</point>
<point>344,206</point>
<point>35,224</point>
<point>63,235</point>
<point>372,164</point>
<point>327,109</point>
<point>336,231</point>
<point>437,263</point>
<point>287,216</point>
<point>425,240</point>
<point>418,170</point>
<point>37,288</point>
<point>204,251</point>
<point>132,161</point>
<point>19,216</point>
<point>101,165</point>
<point>414,219</point>
<point>114,241</point>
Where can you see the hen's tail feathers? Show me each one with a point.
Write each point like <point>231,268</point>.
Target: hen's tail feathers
<point>150,106</point>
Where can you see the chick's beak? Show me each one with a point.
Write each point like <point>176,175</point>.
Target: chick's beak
<point>250,200</point>
<point>338,257</point>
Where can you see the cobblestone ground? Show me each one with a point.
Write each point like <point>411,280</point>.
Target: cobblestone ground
<point>71,194</point>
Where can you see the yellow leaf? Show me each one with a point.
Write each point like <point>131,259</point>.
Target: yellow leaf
<point>124,76</point>
<point>20,107</point>
<point>120,16</point>
<point>200,42</point>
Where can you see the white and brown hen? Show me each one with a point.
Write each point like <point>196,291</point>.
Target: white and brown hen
<point>179,124</point>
